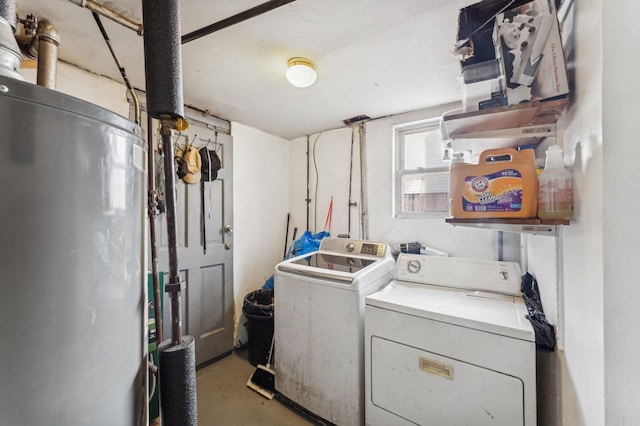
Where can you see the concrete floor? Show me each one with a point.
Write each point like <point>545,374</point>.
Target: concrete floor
<point>224,398</point>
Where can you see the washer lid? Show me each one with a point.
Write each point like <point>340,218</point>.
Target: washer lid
<point>490,312</point>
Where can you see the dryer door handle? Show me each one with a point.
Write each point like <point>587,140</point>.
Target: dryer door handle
<point>436,367</point>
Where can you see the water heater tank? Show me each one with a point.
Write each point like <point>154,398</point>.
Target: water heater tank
<point>72,286</point>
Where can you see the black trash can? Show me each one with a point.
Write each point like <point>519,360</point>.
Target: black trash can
<point>258,308</point>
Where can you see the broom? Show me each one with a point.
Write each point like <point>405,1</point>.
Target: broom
<point>263,380</point>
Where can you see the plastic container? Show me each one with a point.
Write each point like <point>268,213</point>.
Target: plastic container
<point>555,191</point>
<point>258,308</point>
<point>501,185</point>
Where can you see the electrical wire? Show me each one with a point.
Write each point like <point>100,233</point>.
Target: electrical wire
<point>153,369</point>
<point>474,32</point>
<point>123,73</point>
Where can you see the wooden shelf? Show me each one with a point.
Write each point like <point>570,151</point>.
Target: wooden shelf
<point>527,226</point>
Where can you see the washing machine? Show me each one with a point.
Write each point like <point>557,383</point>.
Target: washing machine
<point>447,343</point>
<point>319,326</point>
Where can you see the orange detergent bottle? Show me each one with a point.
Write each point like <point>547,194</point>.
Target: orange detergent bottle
<point>501,185</point>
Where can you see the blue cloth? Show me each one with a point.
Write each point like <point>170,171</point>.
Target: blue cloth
<point>307,243</point>
<point>268,283</point>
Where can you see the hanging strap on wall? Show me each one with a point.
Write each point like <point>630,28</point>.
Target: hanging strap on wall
<point>203,220</point>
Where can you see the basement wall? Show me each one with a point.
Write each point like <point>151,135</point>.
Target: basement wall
<point>329,177</point>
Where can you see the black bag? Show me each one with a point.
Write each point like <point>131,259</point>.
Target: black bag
<point>181,166</point>
<point>210,164</point>
<point>545,332</point>
<point>208,172</point>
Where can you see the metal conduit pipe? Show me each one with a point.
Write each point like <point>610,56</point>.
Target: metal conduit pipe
<point>8,12</point>
<point>235,19</point>
<point>363,183</point>
<point>121,19</point>
<point>152,210</point>
<point>48,41</point>
<point>10,57</point>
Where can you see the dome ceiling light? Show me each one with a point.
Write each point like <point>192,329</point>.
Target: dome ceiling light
<point>301,72</point>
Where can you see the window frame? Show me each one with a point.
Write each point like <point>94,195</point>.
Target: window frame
<point>399,131</point>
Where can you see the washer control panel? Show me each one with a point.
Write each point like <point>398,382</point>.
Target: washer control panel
<point>350,246</point>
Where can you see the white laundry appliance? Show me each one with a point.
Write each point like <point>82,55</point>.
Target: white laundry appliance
<point>319,326</point>
<point>447,343</point>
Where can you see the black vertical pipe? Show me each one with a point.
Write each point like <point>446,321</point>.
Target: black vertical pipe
<point>163,71</point>
<point>163,58</point>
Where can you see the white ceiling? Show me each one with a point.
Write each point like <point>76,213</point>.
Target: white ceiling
<point>373,57</point>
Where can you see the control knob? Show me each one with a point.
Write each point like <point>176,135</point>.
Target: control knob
<point>413,266</point>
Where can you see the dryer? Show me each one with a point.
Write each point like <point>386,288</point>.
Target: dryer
<point>447,343</point>
<point>319,326</point>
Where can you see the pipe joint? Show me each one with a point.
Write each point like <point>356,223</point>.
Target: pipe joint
<point>48,33</point>
<point>175,287</point>
<point>172,123</point>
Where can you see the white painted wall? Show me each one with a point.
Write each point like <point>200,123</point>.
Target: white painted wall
<point>260,203</point>
<point>330,171</point>
<point>592,379</point>
<point>81,84</point>
<point>621,208</point>
<point>582,358</point>
<point>332,154</point>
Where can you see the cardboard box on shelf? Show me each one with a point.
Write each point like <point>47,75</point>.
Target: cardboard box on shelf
<point>529,48</point>
<point>525,43</point>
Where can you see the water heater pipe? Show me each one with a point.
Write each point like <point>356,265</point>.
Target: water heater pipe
<point>175,286</point>
<point>10,56</point>
<point>48,40</point>
<point>8,12</point>
<point>121,19</point>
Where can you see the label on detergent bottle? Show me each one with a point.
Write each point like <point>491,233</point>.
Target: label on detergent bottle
<point>497,192</point>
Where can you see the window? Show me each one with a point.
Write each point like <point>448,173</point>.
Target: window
<point>422,173</point>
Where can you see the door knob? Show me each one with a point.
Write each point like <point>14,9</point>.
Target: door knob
<point>228,229</point>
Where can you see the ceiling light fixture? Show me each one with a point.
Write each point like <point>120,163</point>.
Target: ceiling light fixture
<point>301,72</point>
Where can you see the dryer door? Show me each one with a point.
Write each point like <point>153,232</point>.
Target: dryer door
<point>425,388</point>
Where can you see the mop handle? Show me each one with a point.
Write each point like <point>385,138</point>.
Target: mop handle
<point>271,351</point>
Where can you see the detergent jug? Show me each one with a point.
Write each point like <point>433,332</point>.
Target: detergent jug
<point>501,185</point>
